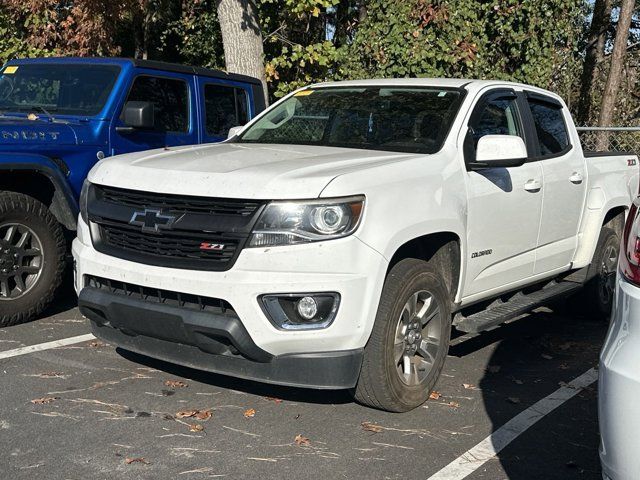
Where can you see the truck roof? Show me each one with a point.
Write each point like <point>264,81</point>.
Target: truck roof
<point>466,83</point>
<point>149,64</point>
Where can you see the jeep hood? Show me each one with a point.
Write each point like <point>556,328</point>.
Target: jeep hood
<point>16,134</point>
<point>233,170</point>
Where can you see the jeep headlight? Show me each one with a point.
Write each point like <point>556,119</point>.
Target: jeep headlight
<point>289,223</point>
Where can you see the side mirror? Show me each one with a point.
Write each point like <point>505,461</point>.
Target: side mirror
<point>137,115</point>
<point>499,151</point>
<point>233,131</point>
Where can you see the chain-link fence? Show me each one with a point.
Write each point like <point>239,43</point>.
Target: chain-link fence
<point>617,139</point>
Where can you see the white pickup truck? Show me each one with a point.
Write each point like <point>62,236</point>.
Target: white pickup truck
<point>335,240</point>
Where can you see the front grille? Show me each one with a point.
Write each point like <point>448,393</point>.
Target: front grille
<point>177,245</point>
<point>178,203</point>
<point>204,233</point>
<point>156,295</point>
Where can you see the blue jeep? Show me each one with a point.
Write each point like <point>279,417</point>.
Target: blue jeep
<point>58,117</point>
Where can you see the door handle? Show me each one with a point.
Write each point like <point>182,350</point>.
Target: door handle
<point>533,185</point>
<point>576,178</point>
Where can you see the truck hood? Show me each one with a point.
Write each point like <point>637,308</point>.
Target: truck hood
<point>233,170</point>
<point>16,133</point>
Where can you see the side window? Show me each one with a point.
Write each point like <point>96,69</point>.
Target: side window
<point>550,127</point>
<point>498,116</point>
<point>225,107</point>
<point>170,100</point>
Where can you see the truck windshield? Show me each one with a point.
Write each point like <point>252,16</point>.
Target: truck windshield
<point>63,89</point>
<point>414,120</point>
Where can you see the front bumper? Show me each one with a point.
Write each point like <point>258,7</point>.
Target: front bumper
<point>346,266</point>
<point>206,341</point>
<point>619,387</point>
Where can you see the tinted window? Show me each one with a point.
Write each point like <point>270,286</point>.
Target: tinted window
<point>378,118</point>
<point>550,127</point>
<point>497,116</point>
<point>71,89</point>
<point>225,107</point>
<point>170,100</point>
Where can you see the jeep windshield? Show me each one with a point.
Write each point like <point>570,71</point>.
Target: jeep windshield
<point>414,120</point>
<point>62,89</point>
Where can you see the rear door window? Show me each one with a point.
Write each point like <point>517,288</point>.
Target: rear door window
<point>170,98</point>
<point>550,126</point>
<point>224,107</point>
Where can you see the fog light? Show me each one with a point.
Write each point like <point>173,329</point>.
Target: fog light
<point>307,307</point>
<point>301,311</point>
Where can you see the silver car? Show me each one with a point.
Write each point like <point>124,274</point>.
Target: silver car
<point>619,381</point>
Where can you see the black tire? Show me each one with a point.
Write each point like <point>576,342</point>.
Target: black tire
<point>27,212</point>
<point>381,384</point>
<point>597,297</point>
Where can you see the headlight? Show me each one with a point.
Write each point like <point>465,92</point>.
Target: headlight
<point>84,193</point>
<point>289,223</point>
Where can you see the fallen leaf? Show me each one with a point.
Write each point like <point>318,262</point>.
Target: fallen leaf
<point>186,413</point>
<point>273,399</point>
<point>468,386</point>
<point>96,344</point>
<point>50,374</point>
<point>203,415</point>
<point>493,368</point>
<point>453,404</point>
<point>249,413</point>
<point>302,441</point>
<point>167,393</point>
<point>40,401</point>
<point>130,460</point>
<point>175,384</point>
<point>195,427</point>
<point>514,399</point>
<point>546,356</point>
<point>564,366</point>
<point>371,427</point>
<point>434,395</point>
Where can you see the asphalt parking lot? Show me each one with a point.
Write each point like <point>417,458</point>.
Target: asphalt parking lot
<point>86,410</point>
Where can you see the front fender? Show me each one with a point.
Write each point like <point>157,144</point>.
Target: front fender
<point>64,205</point>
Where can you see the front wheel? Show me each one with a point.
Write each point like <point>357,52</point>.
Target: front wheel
<point>410,339</point>
<point>32,257</point>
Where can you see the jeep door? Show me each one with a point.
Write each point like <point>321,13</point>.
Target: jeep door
<point>175,114</point>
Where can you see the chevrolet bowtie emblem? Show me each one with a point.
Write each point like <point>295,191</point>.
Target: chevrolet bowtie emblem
<point>152,220</point>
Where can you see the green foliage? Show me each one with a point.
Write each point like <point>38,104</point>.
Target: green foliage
<point>12,41</point>
<point>503,39</point>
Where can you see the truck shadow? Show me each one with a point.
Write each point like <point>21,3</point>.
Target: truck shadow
<point>294,394</point>
<point>530,359</point>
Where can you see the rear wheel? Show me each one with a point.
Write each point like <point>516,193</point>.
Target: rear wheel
<point>599,291</point>
<point>32,257</point>
<point>410,339</point>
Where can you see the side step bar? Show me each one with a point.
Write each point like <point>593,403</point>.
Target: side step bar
<point>518,305</point>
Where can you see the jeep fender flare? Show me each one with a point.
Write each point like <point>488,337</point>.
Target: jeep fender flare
<point>64,205</point>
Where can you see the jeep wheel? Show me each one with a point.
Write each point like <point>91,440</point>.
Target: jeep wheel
<point>410,339</point>
<point>32,257</point>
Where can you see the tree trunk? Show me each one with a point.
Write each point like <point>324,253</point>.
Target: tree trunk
<point>615,70</point>
<point>242,39</point>
<point>594,54</point>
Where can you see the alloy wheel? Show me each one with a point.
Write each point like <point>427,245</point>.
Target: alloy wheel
<point>417,338</point>
<point>21,260</point>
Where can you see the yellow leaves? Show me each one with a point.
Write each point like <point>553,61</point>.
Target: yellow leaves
<point>249,413</point>
<point>302,441</point>
<point>43,400</point>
